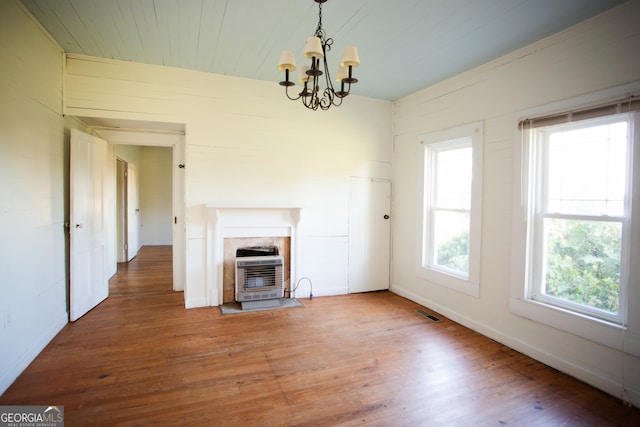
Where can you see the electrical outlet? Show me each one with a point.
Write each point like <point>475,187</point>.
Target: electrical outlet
<point>6,320</point>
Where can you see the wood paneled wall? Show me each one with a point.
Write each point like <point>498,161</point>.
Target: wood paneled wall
<point>595,55</point>
<point>247,145</point>
<point>33,161</point>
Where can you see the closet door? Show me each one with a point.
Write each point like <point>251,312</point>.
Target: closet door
<point>369,234</point>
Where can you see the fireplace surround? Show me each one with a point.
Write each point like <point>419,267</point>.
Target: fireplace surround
<point>248,222</point>
<point>231,247</point>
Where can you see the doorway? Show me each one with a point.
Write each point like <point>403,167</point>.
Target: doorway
<point>128,221</point>
<point>122,133</point>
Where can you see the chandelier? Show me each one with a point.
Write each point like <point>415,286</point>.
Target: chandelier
<point>311,76</point>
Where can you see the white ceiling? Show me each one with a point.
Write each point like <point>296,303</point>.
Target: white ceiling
<point>404,45</point>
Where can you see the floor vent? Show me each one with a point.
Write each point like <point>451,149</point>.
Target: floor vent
<point>428,316</point>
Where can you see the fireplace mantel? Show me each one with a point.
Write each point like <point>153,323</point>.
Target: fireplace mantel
<point>225,221</point>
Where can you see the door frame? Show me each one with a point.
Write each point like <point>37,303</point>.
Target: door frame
<point>125,132</point>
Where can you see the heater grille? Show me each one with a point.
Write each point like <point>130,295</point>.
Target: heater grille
<point>259,278</point>
<point>428,316</point>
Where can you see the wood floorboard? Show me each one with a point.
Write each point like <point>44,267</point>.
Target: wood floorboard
<point>140,358</point>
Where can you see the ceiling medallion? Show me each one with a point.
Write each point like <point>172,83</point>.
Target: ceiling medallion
<point>316,49</point>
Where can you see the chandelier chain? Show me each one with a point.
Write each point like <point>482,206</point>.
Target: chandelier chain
<point>319,30</point>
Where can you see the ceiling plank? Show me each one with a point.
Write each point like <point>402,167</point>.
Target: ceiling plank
<point>404,45</point>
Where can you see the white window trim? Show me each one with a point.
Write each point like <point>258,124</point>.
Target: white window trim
<point>624,337</point>
<point>534,292</point>
<point>470,285</point>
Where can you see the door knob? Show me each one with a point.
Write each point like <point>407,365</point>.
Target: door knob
<point>78,225</point>
<point>386,216</point>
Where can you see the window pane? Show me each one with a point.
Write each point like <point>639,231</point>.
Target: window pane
<point>453,178</point>
<point>451,241</point>
<point>582,262</point>
<point>586,170</point>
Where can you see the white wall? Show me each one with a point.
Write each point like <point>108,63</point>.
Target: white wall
<point>33,158</point>
<point>594,55</point>
<point>247,145</point>
<point>155,195</point>
<point>154,168</point>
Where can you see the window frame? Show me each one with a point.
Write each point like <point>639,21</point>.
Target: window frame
<point>441,141</point>
<point>539,212</point>
<point>622,336</point>
<point>435,206</point>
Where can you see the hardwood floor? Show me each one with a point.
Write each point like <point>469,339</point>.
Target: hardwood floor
<point>140,358</point>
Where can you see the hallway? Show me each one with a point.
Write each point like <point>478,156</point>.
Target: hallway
<point>150,272</point>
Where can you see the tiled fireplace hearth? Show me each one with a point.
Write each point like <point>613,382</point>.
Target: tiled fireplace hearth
<point>230,227</point>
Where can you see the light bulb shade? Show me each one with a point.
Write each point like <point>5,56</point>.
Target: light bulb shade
<point>313,48</point>
<point>350,57</point>
<point>287,61</point>
<point>343,73</point>
<point>303,77</point>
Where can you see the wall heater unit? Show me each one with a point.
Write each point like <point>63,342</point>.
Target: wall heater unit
<point>259,278</point>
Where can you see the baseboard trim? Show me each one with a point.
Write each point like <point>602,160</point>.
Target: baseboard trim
<point>195,302</point>
<point>320,292</point>
<point>605,384</point>
<point>29,356</point>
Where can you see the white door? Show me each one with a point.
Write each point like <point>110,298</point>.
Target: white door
<point>87,214</point>
<point>133,213</point>
<point>179,231</point>
<point>121,210</point>
<point>369,234</point>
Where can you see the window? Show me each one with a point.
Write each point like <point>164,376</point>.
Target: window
<point>574,232</point>
<point>450,217</point>
<point>448,187</point>
<point>578,221</point>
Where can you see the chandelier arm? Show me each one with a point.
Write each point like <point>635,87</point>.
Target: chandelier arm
<point>336,103</point>
<point>329,94</point>
<point>286,91</point>
<point>328,98</point>
<point>348,91</point>
<point>327,74</point>
<point>314,90</point>
<point>307,101</point>
<point>306,95</point>
<point>310,102</point>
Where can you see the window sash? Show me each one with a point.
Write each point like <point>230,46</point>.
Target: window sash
<point>542,139</point>
<point>435,204</point>
<point>432,250</point>
<point>538,138</point>
<point>538,291</point>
